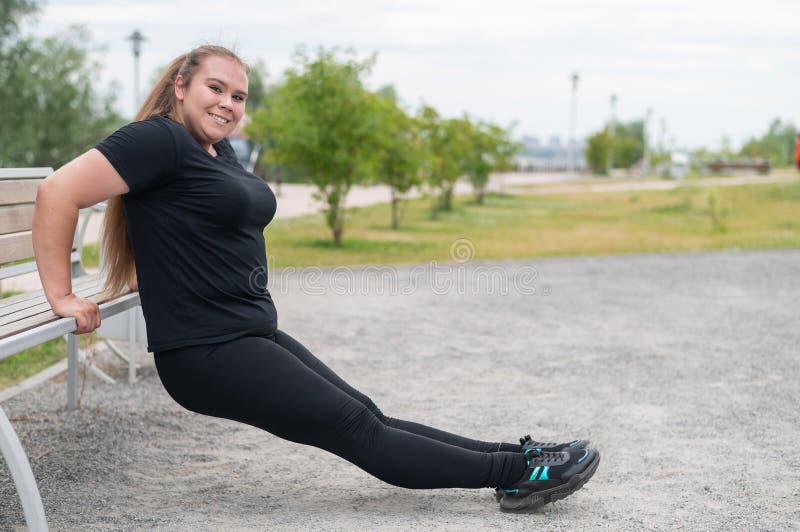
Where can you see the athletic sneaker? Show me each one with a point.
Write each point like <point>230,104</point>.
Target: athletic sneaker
<point>548,447</point>
<point>550,477</point>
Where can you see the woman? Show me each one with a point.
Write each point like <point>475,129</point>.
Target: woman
<point>185,225</point>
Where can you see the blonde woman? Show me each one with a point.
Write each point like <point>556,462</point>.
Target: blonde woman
<point>185,226</point>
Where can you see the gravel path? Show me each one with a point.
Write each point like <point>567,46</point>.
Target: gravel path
<point>683,368</point>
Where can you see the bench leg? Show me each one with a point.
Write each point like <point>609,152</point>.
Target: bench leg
<point>72,371</point>
<point>23,477</point>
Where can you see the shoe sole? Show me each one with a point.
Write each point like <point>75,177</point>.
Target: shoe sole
<point>537,499</point>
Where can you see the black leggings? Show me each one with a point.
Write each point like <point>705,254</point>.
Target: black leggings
<point>276,384</point>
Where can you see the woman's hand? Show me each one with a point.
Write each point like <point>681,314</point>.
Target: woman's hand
<point>85,312</point>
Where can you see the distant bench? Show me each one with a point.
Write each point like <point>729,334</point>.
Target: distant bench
<point>760,167</point>
<point>27,320</point>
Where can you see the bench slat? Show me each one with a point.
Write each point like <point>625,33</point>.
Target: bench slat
<point>39,305</point>
<point>15,311</point>
<point>41,318</point>
<point>14,191</point>
<point>16,218</point>
<point>77,282</point>
<point>16,246</point>
<point>61,326</point>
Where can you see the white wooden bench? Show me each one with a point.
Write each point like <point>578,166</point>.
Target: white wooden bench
<point>26,320</point>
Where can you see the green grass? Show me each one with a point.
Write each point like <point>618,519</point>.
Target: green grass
<point>511,226</point>
<point>90,256</point>
<point>31,361</point>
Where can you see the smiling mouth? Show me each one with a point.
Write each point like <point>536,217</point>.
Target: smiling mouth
<point>219,119</point>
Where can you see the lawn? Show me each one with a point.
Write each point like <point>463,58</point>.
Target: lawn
<point>526,226</point>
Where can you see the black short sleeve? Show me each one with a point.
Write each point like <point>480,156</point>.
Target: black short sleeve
<point>144,153</point>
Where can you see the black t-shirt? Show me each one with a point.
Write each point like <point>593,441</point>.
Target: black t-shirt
<point>196,225</point>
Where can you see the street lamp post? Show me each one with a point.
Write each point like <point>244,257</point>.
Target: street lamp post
<point>136,38</point>
<point>572,113</point>
<point>612,127</point>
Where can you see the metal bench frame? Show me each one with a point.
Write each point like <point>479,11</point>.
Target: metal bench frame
<point>51,326</point>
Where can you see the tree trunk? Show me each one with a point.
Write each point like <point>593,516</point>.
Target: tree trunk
<point>435,204</point>
<point>447,198</point>
<point>335,214</point>
<point>395,200</point>
<point>480,192</point>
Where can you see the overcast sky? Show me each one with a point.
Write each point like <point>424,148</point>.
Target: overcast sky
<point>708,68</point>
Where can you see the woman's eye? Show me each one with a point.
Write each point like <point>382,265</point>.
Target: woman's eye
<point>215,88</point>
<point>238,98</point>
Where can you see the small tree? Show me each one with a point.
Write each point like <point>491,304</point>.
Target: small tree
<point>321,121</point>
<point>776,145</point>
<point>490,148</point>
<point>626,143</point>
<point>399,148</point>
<point>445,141</point>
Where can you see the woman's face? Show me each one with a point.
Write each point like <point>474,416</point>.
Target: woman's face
<point>213,103</point>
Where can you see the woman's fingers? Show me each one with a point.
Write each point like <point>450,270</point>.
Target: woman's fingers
<point>85,312</point>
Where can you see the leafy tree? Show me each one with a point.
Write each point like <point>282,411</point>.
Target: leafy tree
<point>12,12</point>
<point>46,88</point>
<point>626,144</point>
<point>489,148</point>
<point>446,143</point>
<point>46,85</point>
<point>776,145</point>
<point>321,121</point>
<point>399,149</point>
<point>256,86</point>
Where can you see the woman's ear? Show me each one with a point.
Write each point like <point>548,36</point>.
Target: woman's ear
<point>180,87</point>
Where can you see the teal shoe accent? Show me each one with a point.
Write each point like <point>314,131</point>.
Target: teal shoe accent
<point>544,476</point>
<point>585,454</point>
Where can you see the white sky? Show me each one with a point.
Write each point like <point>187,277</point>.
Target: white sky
<point>709,68</point>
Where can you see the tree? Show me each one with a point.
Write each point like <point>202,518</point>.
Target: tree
<point>256,86</point>
<point>489,148</point>
<point>776,145</point>
<point>46,87</point>
<point>321,121</point>
<point>626,143</point>
<point>445,142</point>
<point>12,13</point>
<point>399,148</point>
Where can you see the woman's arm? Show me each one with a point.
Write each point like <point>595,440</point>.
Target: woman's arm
<point>84,181</point>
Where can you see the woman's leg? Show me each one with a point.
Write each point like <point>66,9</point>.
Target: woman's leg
<point>307,358</point>
<point>256,381</point>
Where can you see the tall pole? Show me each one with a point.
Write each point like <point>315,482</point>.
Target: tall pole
<point>612,127</point>
<point>136,38</point>
<point>645,132</point>
<point>572,113</point>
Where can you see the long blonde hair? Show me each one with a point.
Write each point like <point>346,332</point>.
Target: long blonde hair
<point>118,266</point>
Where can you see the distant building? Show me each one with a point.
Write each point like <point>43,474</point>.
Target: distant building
<point>550,157</point>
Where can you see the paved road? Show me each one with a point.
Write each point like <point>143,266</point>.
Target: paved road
<point>683,368</point>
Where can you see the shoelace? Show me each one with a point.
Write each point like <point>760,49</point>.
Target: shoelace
<point>527,440</point>
<point>535,457</point>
